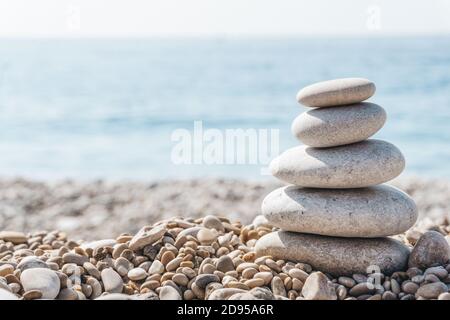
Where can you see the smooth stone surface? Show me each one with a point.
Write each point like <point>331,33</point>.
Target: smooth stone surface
<point>242,296</point>
<point>318,287</point>
<point>193,231</point>
<point>6,295</point>
<point>44,280</point>
<point>112,281</point>
<point>13,236</point>
<point>31,262</point>
<point>146,236</point>
<point>225,264</point>
<point>336,256</point>
<point>67,294</point>
<point>336,92</point>
<point>356,165</point>
<point>207,236</point>
<point>224,294</point>
<point>376,211</point>
<point>137,274</point>
<point>212,222</point>
<point>432,290</point>
<point>156,268</point>
<point>335,126</point>
<point>169,293</point>
<point>431,250</point>
<point>115,296</point>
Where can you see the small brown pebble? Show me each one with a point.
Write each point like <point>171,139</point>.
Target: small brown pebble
<point>409,287</point>
<point>389,295</point>
<point>249,273</point>
<point>266,276</point>
<point>180,279</point>
<point>6,269</point>
<point>362,288</point>
<point>32,294</point>
<point>347,282</point>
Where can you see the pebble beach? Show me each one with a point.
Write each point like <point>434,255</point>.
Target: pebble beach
<point>103,209</point>
<point>185,251</point>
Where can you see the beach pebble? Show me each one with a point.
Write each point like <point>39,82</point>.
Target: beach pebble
<point>146,236</point>
<point>345,256</point>
<point>362,288</point>
<point>261,221</point>
<point>156,268</point>
<point>193,231</point>
<point>203,280</point>
<point>206,236</point>
<point>212,222</point>
<point>180,279</point>
<point>370,162</point>
<point>318,287</point>
<point>388,295</point>
<point>32,295</point>
<point>265,276</point>
<point>430,250</point>
<point>336,92</point>
<point>112,281</point>
<point>431,290</point>
<point>6,269</point>
<point>439,272</point>
<point>366,212</point>
<point>67,294</point>
<point>7,295</point>
<point>409,287</point>
<point>444,296</point>
<point>44,280</point>
<point>137,274</point>
<point>225,264</point>
<point>13,236</point>
<point>78,259</point>
<point>278,287</point>
<point>31,262</point>
<point>347,282</point>
<point>242,296</point>
<point>224,293</point>
<point>335,126</point>
<point>115,296</point>
<point>169,293</point>
<point>262,293</point>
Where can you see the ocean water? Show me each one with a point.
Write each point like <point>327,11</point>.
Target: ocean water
<point>106,108</point>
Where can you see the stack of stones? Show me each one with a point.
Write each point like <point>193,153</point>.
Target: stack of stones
<point>336,214</point>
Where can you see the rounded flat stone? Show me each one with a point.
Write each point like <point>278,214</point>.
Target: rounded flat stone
<point>376,211</point>
<point>333,255</point>
<point>13,236</point>
<point>335,126</point>
<point>336,92</point>
<point>44,280</point>
<point>356,165</point>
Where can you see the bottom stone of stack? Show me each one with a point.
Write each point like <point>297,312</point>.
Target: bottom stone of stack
<point>336,256</point>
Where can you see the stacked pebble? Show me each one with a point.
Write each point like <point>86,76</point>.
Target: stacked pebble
<point>337,215</point>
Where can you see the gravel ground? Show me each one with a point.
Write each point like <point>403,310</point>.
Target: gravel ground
<point>99,209</point>
<point>208,258</point>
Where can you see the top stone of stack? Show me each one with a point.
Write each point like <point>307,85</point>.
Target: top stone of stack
<point>336,92</point>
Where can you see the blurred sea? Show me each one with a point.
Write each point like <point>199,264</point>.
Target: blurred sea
<point>106,108</point>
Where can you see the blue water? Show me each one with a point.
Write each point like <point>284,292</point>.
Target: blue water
<point>107,108</point>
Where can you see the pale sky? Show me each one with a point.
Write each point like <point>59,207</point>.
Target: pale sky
<point>123,18</point>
